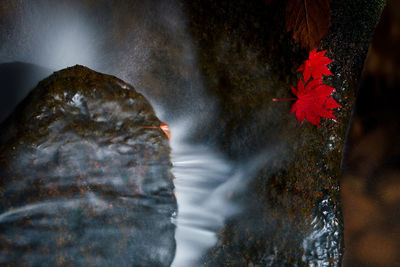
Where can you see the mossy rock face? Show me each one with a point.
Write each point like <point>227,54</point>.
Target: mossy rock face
<point>82,181</point>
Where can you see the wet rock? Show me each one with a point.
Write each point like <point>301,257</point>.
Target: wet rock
<point>81,181</point>
<point>291,208</point>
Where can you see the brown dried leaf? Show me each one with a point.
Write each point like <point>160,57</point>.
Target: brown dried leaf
<point>309,20</point>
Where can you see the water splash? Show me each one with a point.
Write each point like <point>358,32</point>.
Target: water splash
<point>202,189</point>
<point>321,244</point>
<point>204,184</point>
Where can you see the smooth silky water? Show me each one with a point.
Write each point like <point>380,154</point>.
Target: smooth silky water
<point>204,184</point>
<point>149,45</point>
<point>204,179</point>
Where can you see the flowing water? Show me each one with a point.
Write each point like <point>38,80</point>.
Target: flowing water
<point>202,184</point>
<point>204,179</point>
<point>149,45</point>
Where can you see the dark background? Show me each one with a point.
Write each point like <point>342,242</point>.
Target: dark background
<point>370,184</point>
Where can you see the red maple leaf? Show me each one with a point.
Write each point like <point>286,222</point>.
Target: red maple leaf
<point>313,102</point>
<point>315,66</point>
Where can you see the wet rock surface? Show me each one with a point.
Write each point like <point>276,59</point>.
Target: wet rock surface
<point>81,181</point>
<point>292,213</point>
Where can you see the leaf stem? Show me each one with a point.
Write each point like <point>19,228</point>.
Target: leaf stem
<point>283,99</point>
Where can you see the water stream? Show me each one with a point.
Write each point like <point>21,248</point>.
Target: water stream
<point>204,179</point>
<point>149,44</point>
<point>203,185</point>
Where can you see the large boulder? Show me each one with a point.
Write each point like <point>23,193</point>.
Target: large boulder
<point>82,181</point>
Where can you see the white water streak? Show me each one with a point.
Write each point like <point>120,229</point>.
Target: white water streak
<point>205,182</point>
